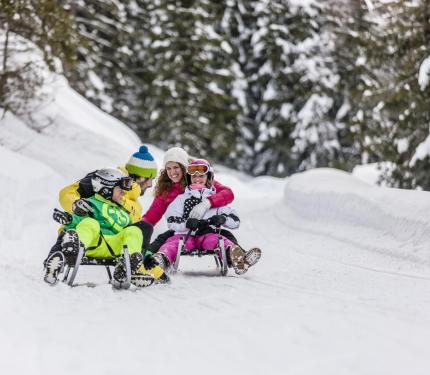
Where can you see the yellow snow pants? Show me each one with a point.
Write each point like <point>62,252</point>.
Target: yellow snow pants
<point>89,233</point>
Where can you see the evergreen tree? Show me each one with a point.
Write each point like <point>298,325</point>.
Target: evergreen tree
<point>164,72</point>
<point>104,55</point>
<point>50,26</point>
<point>400,121</point>
<point>188,101</point>
<point>281,74</point>
<point>355,34</point>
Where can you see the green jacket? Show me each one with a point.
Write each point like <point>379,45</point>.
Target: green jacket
<point>111,217</point>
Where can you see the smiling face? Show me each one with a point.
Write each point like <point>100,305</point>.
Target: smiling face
<point>174,171</point>
<point>201,179</point>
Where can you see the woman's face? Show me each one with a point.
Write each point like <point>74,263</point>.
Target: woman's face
<point>174,171</point>
<point>199,179</point>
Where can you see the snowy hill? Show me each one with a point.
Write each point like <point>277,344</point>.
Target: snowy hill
<point>342,287</point>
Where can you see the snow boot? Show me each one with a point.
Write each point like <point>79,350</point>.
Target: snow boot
<point>139,276</point>
<point>161,261</point>
<point>237,259</point>
<point>70,242</point>
<point>54,266</point>
<point>141,279</point>
<point>160,277</point>
<point>252,256</point>
<point>120,272</point>
<point>151,265</point>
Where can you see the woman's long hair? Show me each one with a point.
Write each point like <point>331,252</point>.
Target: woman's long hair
<point>165,184</point>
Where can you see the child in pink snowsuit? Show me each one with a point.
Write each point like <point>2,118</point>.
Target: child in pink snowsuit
<point>203,236</point>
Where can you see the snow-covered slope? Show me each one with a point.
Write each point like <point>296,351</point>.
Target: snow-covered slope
<point>338,204</point>
<point>343,286</point>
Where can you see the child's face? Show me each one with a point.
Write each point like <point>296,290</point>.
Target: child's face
<point>117,194</point>
<point>199,179</point>
<point>174,171</point>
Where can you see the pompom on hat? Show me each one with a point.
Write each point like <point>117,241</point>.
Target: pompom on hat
<point>142,164</point>
<point>177,155</point>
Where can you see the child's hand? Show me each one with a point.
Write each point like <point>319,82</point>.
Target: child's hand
<point>81,207</point>
<point>62,217</point>
<point>217,220</point>
<point>192,223</point>
<point>117,194</point>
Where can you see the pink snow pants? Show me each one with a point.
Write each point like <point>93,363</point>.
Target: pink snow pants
<point>206,241</point>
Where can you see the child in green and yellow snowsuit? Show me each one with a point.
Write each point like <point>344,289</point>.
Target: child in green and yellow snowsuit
<point>103,231</point>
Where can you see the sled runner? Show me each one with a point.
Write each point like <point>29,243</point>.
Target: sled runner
<point>218,253</point>
<point>69,265</point>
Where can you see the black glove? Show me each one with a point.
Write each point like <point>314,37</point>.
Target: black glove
<point>81,207</point>
<point>192,223</point>
<point>62,217</point>
<point>203,224</point>
<point>217,220</point>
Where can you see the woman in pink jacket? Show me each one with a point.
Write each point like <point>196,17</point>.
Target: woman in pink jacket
<point>170,184</point>
<point>202,234</point>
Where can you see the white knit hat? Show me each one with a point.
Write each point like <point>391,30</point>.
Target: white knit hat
<point>177,155</point>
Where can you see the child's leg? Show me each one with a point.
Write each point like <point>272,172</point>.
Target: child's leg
<point>209,241</point>
<point>132,237</point>
<point>235,254</point>
<point>89,232</point>
<point>170,248</point>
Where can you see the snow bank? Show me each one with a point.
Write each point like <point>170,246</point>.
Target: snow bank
<point>392,221</point>
<point>26,185</point>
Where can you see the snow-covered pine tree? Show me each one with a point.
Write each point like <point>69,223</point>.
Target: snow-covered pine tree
<point>49,24</point>
<point>102,74</point>
<point>188,102</point>
<point>281,69</point>
<point>354,31</point>
<point>317,132</point>
<point>403,118</point>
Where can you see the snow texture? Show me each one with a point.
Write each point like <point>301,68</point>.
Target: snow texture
<point>342,288</point>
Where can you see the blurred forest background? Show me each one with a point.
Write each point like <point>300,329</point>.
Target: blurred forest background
<point>268,87</point>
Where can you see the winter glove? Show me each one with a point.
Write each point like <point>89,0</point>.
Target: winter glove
<point>62,217</point>
<point>217,220</point>
<point>81,207</point>
<point>192,223</point>
<point>199,210</point>
<point>203,224</point>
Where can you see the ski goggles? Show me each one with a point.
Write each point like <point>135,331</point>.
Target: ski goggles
<point>197,169</point>
<point>126,183</point>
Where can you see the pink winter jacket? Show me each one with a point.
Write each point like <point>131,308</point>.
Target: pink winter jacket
<point>222,197</point>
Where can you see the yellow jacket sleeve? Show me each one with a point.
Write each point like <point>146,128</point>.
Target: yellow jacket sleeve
<point>130,201</point>
<point>68,195</point>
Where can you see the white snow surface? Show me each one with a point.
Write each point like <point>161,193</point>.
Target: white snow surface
<point>343,286</point>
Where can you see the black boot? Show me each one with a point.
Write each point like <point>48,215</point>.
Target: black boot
<point>54,265</point>
<point>139,276</point>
